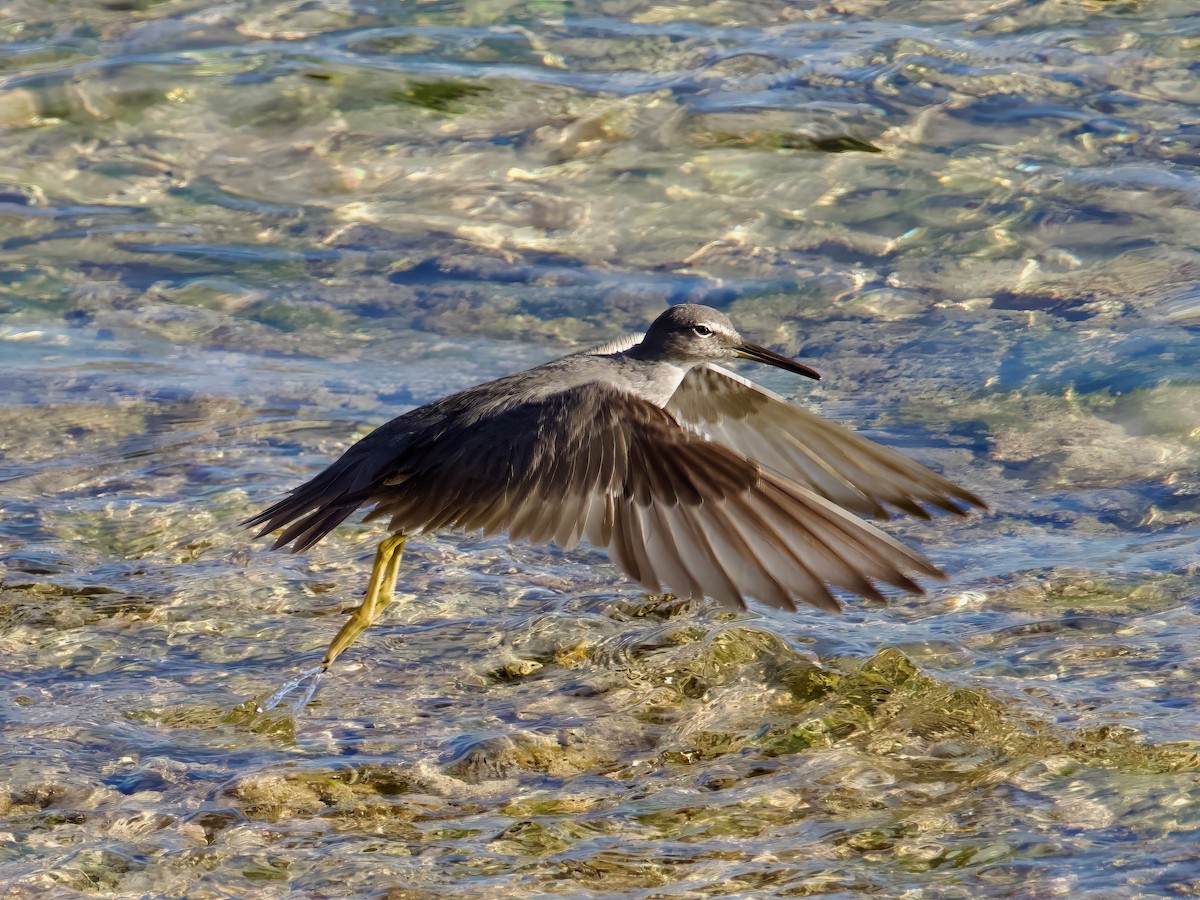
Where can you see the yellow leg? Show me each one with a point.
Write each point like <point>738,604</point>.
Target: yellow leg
<point>379,595</point>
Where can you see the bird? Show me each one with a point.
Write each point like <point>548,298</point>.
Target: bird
<point>694,478</point>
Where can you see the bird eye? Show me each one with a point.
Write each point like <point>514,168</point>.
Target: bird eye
<point>702,330</point>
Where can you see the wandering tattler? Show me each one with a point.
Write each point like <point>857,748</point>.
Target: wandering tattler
<point>693,477</point>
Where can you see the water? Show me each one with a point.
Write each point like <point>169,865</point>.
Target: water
<point>235,237</point>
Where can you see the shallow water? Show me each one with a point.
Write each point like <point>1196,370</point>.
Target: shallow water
<point>236,237</point>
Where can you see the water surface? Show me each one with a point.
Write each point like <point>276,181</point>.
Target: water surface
<point>235,237</point>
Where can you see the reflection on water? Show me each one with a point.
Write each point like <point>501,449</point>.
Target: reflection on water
<point>234,237</point>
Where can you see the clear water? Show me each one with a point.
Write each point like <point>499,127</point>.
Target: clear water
<point>235,237</point>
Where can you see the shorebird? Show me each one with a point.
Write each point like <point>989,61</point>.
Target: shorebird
<point>694,478</point>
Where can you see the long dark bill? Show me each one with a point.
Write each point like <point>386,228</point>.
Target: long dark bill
<point>771,358</point>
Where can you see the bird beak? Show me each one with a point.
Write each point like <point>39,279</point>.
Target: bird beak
<point>763,355</point>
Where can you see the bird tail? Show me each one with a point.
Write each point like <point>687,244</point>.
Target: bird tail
<point>318,506</point>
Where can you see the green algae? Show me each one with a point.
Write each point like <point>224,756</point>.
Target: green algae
<point>913,753</point>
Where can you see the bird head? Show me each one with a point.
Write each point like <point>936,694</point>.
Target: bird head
<point>690,334</point>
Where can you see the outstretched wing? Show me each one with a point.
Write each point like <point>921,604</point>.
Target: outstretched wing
<point>673,508</point>
<point>852,471</point>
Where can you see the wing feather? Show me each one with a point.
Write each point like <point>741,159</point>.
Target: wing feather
<point>674,508</point>
<point>852,471</point>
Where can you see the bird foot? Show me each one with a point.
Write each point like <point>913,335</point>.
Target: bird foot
<point>312,676</point>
